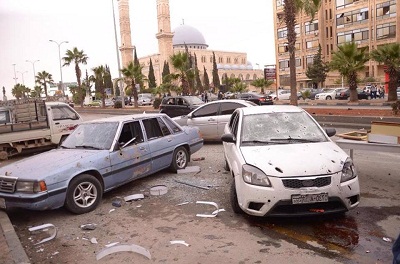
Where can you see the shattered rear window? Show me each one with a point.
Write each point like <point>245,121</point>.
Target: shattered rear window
<point>280,128</point>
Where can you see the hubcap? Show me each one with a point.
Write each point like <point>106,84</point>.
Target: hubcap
<point>85,194</point>
<point>181,159</point>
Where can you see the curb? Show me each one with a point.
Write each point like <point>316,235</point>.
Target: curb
<point>15,248</point>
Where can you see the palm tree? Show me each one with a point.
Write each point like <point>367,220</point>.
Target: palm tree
<point>133,75</point>
<point>20,91</point>
<point>291,9</point>
<point>77,57</point>
<point>44,78</point>
<point>262,83</point>
<point>180,62</point>
<point>389,56</point>
<point>100,74</point>
<point>348,60</point>
<point>37,91</point>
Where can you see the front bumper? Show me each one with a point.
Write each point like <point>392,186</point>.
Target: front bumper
<point>277,200</point>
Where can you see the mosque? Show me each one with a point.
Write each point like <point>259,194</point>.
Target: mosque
<point>233,64</point>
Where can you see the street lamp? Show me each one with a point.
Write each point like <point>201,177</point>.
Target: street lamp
<point>15,74</point>
<point>22,73</point>
<point>59,58</point>
<point>34,72</point>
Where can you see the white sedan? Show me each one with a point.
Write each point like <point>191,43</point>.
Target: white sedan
<point>327,94</point>
<point>212,117</point>
<point>284,164</point>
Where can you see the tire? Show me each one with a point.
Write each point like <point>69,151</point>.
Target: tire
<point>87,186</point>
<point>180,159</point>
<point>233,198</point>
<point>226,166</point>
<point>328,98</point>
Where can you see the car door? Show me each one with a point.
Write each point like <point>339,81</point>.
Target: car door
<point>230,148</point>
<point>133,160</point>
<point>225,112</point>
<point>161,142</point>
<point>205,118</point>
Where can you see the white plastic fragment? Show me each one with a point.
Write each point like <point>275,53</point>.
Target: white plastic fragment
<point>182,242</point>
<point>88,227</point>
<point>44,227</point>
<point>190,169</point>
<point>138,196</point>
<point>40,250</point>
<point>182,203</point>
<point>387,239</point>
<point>112,244</point>
<point>120,248</point>
<point>93,240</point>
<point>111,210</point>
<point>55,253</point>
<point>213,214</point>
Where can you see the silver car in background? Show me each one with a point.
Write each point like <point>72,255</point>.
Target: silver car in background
<point>211,117</point>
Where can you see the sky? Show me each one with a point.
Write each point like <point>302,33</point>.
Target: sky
<point>26,26</point>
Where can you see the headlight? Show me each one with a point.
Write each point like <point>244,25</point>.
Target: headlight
<point>31,186</point>
<point>255,176</point>
<point>349,171</point>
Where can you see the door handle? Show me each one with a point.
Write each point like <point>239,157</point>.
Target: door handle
<point>143,148</point>
<point>211,119</point>
<point>57,123</point>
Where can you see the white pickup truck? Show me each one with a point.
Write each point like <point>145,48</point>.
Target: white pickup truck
<point>33,124</point>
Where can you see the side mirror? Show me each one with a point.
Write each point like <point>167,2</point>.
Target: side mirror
<point>229,138</point>
<point>330,131</point>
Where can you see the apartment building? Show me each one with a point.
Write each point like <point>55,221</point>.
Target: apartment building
<point>369,23</point>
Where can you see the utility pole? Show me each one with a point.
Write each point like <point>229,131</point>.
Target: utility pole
<point>34,72</point>
<point>121,85</point>
<point>15,75</point>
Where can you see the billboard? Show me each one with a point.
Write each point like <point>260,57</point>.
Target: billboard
<point>270,73</point>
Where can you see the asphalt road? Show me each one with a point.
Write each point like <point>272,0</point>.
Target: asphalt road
<point>363,235</point>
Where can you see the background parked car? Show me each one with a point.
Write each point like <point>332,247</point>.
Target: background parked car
<point>212,117</point>
<point>268,151</point>
<point>179,105</point>
<point>310,93</point>
<point>119,99</point>
<point>327,94</point>
<point>145,99</point>
<point>110,152</point>
<point>283,95</point>
<point>345,94</point>
<point>256,98</point>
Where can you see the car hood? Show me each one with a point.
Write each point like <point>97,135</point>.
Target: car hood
<point>47,163</point>
<point>304,159</point>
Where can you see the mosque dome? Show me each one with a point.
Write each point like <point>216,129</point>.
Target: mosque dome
<point>190,36</point>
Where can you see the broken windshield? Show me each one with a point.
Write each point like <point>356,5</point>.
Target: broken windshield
<point>280,128</point>
<point>92,136</point>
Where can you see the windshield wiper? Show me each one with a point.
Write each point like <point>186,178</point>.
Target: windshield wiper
<point>261,142</point>
<point>87,147</point>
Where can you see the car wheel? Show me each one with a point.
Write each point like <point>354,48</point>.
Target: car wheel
<point>328,98</point>
<point>180,159</point>
<point>226,166</point>
<point>234,201</point>
<point>84,194</point>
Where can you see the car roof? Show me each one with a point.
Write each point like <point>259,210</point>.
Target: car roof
<point>270,109</point>
<point>123,118</point>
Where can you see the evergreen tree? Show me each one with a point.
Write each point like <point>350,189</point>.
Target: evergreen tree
<point>165,71</point>
<point>152,77</point>
<point>317,71</point>
<point>135,59</point>
<point>199,87</point>
<point>215,76</point>
<point>108,80</point>
<point>206,80</point>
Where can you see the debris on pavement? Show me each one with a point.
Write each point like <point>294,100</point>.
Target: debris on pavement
<point>158,190</point>
<point>93,240</point>
<point>213,214</point>
<point>189,169</point>
<point>182,242</point>
<point>193,185</point>
<point>111,210</point>
<point>179,204</point>
<point>387,239</point>
<point>44,227</point>
<point>121,248</point>
<point>117,203</point>
<point>198,159</point>
<point>134,197</point>
<point>88,227</point>
<point>112,244</point>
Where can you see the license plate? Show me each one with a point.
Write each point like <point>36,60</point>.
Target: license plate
<point>309,198</point>
<point>2,203</point>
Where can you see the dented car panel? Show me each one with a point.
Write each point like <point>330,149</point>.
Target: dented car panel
<point>99,155</point>
<point>284,164</point>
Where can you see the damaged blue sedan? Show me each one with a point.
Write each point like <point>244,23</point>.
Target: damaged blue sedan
<point>97,157</point>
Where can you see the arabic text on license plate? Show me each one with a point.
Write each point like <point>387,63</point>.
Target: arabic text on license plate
<point>309,198</point>
<point>2,203</point>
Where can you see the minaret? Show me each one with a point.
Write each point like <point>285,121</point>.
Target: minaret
<point>164,35</point>
<point>126,47</point>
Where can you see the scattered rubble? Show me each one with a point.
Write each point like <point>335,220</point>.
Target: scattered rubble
<point>190,169</point>
<point>120,248</point>
<point>182,242</point>
<point>44,227</point>
<point>88,227</point>
<point>213,214</point>
<point>134,197</point>
<point>193,185</point>
<point>158,190</point>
